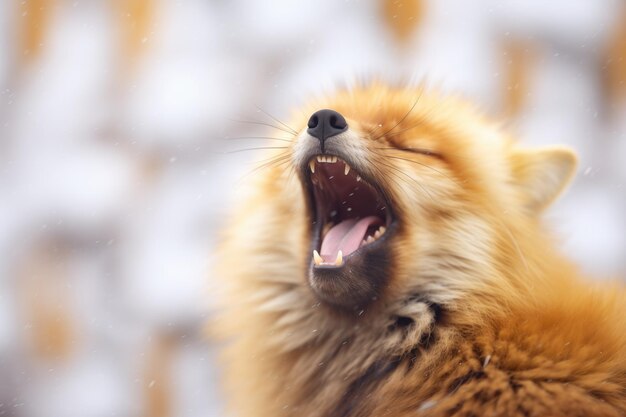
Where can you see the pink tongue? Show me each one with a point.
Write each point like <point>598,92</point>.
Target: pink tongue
<point>346,237</point>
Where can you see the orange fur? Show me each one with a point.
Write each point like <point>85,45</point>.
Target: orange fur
<point>614,64</point>
<point>157,380</point>
<point>519,63</point>
<point>402,17</point>
<point>49,310</point>
<point>33,25</point>
<point>136,19</point>
<point>479,315</point>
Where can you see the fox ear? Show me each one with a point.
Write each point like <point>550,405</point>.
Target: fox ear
<point>542,174</point>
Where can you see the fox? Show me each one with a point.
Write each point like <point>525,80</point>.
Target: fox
<point>389,258</point>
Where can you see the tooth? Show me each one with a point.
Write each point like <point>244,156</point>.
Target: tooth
<point>358,178</point>
<point>317,258</point>
<point>334,158</point>
<point>382,229</point>
<point>370,239</point>
<point>339,259</point>
<point>377,234</point>
<point>319,158</point>
<point>312,166</point>
<point>346,169</point>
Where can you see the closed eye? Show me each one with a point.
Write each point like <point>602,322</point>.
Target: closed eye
<point>421,151</point>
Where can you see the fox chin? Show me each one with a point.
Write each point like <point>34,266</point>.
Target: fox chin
<point>389,259</point>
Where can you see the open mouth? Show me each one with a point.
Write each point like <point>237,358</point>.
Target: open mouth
<point>352,216</point>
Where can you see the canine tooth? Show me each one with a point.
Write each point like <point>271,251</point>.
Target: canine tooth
<point>346,169</point>
<point>339,259</point>
<point>317,258</point>
<point>319,158</point>
<point>312,167</point>
<point>358,178</point>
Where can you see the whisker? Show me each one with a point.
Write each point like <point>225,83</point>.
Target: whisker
<point>280,155</point>
<point>278,160</point>
<point>401,120</point>
<point>277,120</point>
<point>256,138</point>
<point>420,121</point>
<point>399,171</point>
<point>424,165</point>
<point>422,151</point>
<point>275,161</point>
<point>371,132</point>
<point>398,132</point>
<point>256,149</point>
<point>292,172</point>
<point>255,122</point>
<point>414,162</point>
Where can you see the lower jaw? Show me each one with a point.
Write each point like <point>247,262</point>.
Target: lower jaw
<point>357,284</point>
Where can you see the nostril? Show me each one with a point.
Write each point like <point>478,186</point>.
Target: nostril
<point>337,122</point>
<point>313,121</point>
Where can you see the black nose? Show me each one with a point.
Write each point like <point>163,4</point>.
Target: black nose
<point>326,123</point>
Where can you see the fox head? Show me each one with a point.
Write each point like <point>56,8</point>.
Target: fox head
<point>380,195</point>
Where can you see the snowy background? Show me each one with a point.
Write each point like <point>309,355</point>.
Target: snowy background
<point>114,121</point>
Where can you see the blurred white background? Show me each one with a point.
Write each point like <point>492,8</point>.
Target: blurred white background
<point>114,121</point>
